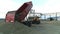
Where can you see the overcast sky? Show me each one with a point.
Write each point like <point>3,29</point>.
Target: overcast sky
<point>40,6</point>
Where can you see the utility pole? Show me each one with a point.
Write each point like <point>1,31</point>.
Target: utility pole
<point>56,16</point>
<point>45,16</point>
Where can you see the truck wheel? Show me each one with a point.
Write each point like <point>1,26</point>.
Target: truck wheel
<point>29,24</point>
<point>38,22</point>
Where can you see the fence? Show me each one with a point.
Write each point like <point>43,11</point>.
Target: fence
<point>45,16</point>
<point>55,16</point>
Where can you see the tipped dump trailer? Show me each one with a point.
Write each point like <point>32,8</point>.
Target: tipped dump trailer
<point>20,14</point>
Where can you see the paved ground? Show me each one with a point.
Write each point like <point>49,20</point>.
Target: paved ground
<point>18,28</point>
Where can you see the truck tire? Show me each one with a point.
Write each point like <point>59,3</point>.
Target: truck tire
<point>38,22</point>
<point>35,22</point>
<point>27,23</point>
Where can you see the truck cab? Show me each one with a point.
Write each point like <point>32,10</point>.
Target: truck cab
<point>10,16</point>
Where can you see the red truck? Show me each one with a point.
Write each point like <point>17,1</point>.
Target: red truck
<point>20,14</point>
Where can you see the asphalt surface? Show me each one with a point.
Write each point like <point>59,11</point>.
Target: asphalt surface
<point>46,27</point>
